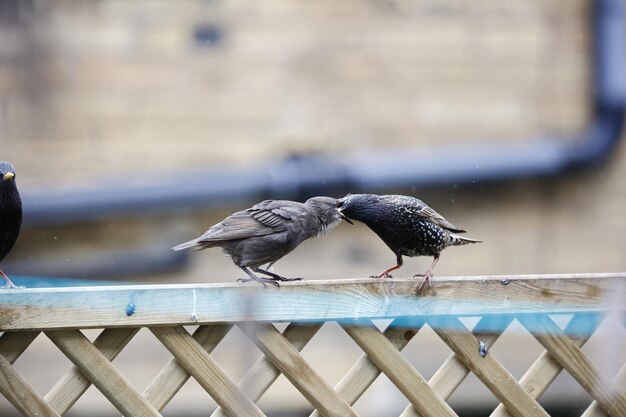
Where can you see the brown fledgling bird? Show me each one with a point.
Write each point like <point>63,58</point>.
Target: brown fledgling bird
<point>266,232</point>
<point>407,225</point>
<point>10,214</point>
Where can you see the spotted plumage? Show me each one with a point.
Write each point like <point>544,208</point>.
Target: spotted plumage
<point>10,213</point>
<point>407,225</point>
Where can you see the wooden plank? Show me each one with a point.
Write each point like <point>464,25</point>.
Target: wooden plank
<point>19,393</point>
<point>101,373</point>
<point>287,360</point>
<point>571,358</point>
<point>364,372</point>
<point>488,369</point>
<point>149,305</point>
<point>13,344</point>
<point>545,369</point>
<point>73,384</point>
<point>453,371</point>
<point>263,374</point>
<point>206,371</point>
<point>619,384</point>
<point>173,375</point>
<point>397,368</point>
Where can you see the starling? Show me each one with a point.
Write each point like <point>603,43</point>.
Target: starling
<point>10,214</point>
<point>406,225</point>
<point>266,232</point>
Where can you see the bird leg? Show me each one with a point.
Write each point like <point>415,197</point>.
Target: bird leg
<point>9,285</point>
<point>253,277</point>
<point>276,276</point>
<point>428,273</point>
<point>385,273</point>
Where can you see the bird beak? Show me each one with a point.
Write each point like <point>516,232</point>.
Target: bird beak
<point>8,176</point>
<point>343,216</point>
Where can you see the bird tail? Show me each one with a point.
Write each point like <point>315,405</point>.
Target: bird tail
<point>195,244</point>
<point>456,240</point>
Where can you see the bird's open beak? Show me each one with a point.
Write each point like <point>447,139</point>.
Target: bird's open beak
<point>343,216</point>
<point>8,176</point>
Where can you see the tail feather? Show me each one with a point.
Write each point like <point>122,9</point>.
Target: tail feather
<point>195,244</point>
<point>456,240</point>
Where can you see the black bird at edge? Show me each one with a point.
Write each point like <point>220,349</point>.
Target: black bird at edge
<point>407,226</point>
<point>266,232</point>
<point>10,214</point>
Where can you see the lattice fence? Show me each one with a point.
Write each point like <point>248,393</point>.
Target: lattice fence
<point>121,311</point>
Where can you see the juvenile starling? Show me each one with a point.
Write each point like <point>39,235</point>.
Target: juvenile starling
<point>10,214</point>
<point>407,225</point>
<point>268,231</point>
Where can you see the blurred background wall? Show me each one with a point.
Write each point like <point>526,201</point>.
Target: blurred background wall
<point>111,98</point>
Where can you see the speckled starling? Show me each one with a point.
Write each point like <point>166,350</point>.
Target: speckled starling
<point>10,214</point>
<point>407,225</point>
<point>266,232</point>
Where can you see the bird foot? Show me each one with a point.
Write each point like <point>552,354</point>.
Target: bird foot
<point>11,286</point>
<point>263,281</point>
<point>426,280</point>
<point>383,275</point>
<point>285,279</point>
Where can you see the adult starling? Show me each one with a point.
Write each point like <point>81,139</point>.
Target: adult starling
<point>268,231</point>
<point>10,214</point>
<point>407,225</point>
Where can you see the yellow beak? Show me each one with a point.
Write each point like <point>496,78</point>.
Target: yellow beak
<point>8,176</point>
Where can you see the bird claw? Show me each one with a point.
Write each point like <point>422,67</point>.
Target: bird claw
<point>384,275</point>
<point>11,286</point>
<point>264,282</point>
<point>291,279</point>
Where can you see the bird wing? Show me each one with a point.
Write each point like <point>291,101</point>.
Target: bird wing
<point>423,211</point>
<point>262,219</point>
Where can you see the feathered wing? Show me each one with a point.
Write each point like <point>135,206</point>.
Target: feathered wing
<point>427,213</point>
<point>262,219</point>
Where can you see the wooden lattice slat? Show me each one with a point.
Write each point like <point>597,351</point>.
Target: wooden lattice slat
<point>287,359</point>
<point>20,393</point>
<point>95,366</point>
<point>173,375</point>
<point>254,306</point>
<point>364,372</point>
<point>74,384</point>
<point>545,369</point>
<point>570,357</point>
<point>398,369</point>
<point>450,375</point>
<point>206,371</point>
<point>491,372</point>
<point>263,374</point>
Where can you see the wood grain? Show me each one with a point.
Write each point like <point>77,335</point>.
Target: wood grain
<point>619,384</point>
<point>206,371</point>
<point>97,368</point>
<point>20,393</point>
<point>59,308</point>
<point>571,358</point>
<point>287,359</point>
<point>453,371</point>
<point>488,369</point>
<point>13,344</point>
<point>545,369</point>
<point>397,368</point>
<point>173,375</point>
<point>364,372</point>
<point>73,384</point>
<point>263,374</point>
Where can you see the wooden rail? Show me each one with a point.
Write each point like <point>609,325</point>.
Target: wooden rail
<point>121,311</point>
